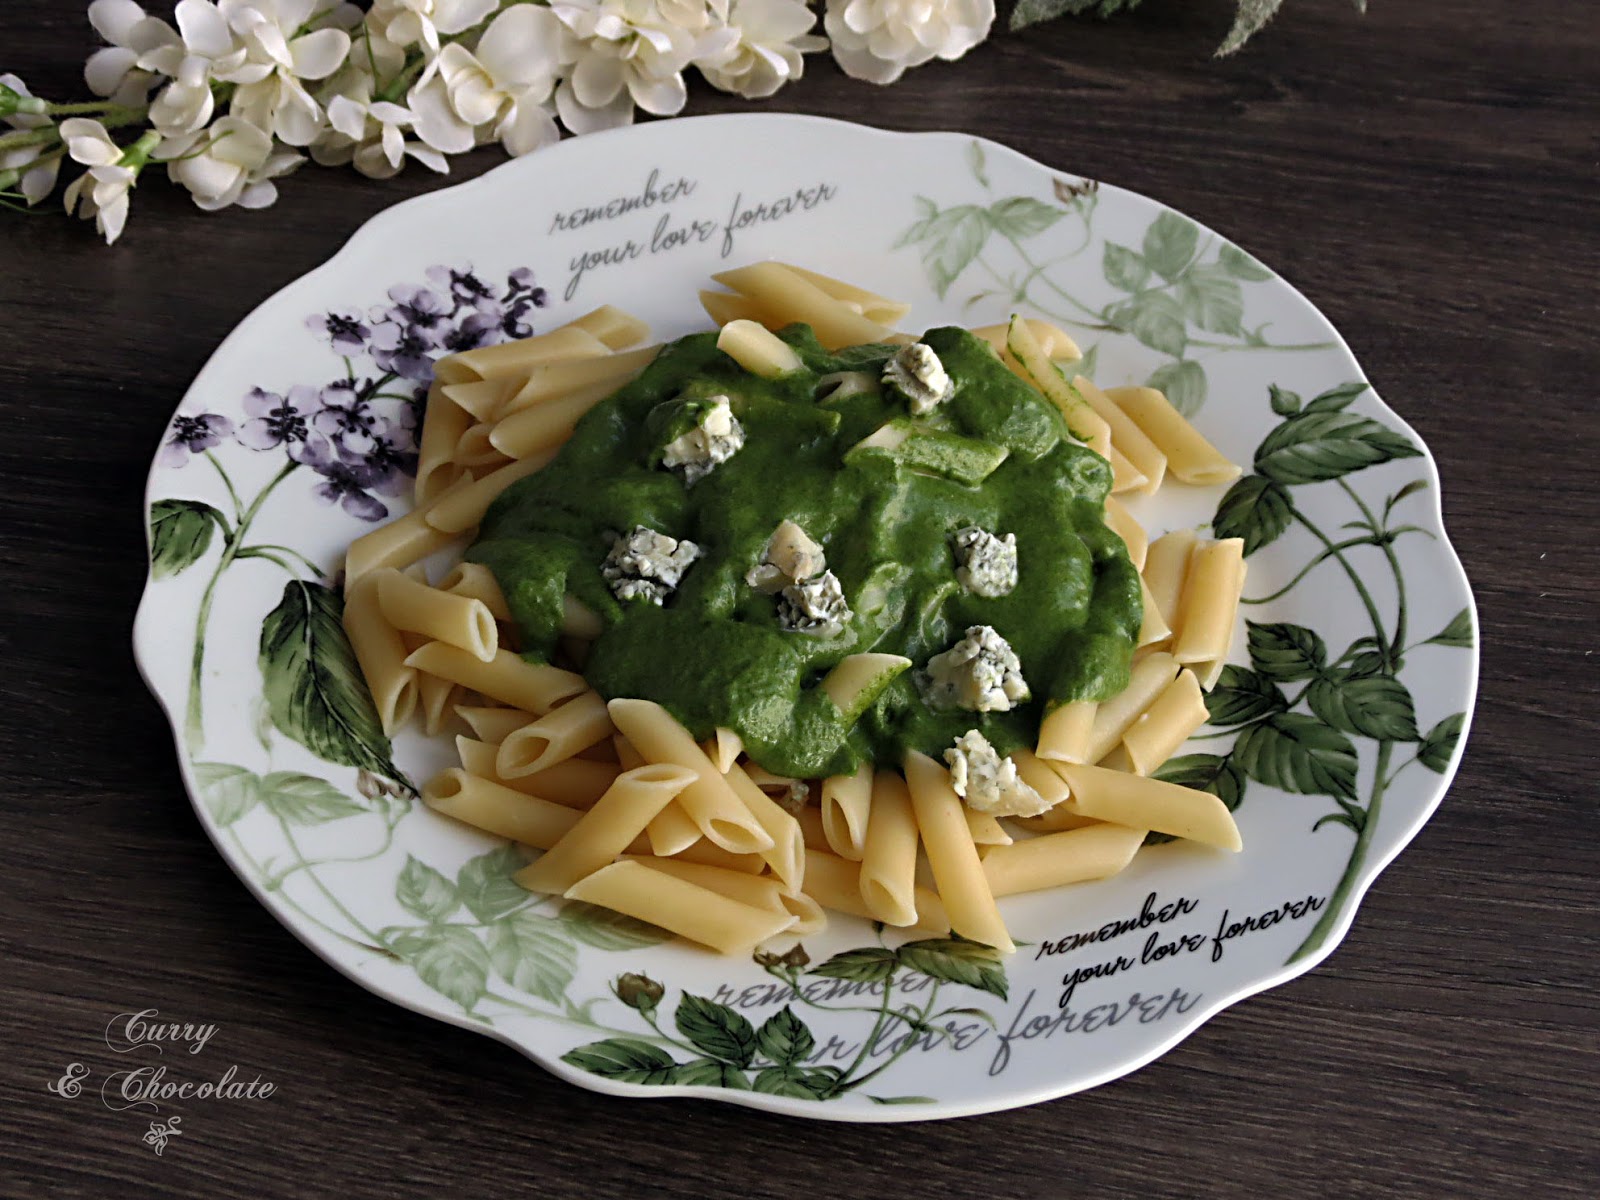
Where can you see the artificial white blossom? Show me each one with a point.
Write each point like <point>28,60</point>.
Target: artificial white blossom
<point>877,40</point>
<point>34,180</point>
<point>768,38</point>
<point>101,192</point>
<point>371,134</point>
<point>421,22</point>
<point>508,81</point>
<point>231,162</point>
<point>270,93</point>
<point>22,120</point>
<point>624,53</point>
<point>114,71</point>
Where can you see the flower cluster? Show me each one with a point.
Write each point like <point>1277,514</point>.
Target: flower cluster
<point>231,95</point>
<point>358,433</point>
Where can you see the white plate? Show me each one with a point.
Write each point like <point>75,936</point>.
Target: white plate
<point>420,910</point>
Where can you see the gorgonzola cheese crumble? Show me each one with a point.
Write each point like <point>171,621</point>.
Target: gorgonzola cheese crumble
<point>647,564</point>
<point>981,672</point>
<point>986,565</point>
<point>987,782</point>
<point>918,375</point>
<point>815,606</point>
<point>715,438</point>
<point>790,556</point>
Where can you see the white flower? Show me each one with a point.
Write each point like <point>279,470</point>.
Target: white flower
<point>270,95</point>
<point>22,120</point>
<point>764,53</point>
<point>232,162</point>
<point>510,78</point>
<point>420,22</point>
<point>627,52</point>
<point>436,121</point>
<point>33,182</point>
<point>206,48</point>
<point>877,40</point>
<point>114,71</point>
<point>101,192</point>
<point>372,134</point>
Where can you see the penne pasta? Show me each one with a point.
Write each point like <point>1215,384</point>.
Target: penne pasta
<point>835,883</point>
<point>709,801</point>
<point>551,381</point>
<point>438,615</point>
<point>1040,776</point>
<point>1157,732</point>
<point>1166,566</point>
<point>476,582</point>
<point>463,506</point>
<point>1150,675</point>
<point>497,809</point>
<point>533,687</point>
<point>402,542</point>
<point>725,307</point>
<point>671,831</point>
<point>1190,458</point>
<point>1142,803</point>
<point>757,349</point>
<point>784,298</point>
<point>482,398</point>
<point>952,854</point>
<point>811,831</point>
<point>555,737</point>
<point>686,909</point>
<point>1066,732</point>
<point>1125,477</point>
<point>381,654</point>
<point>984,828</point>
<point>869,304</point>
<point>1126,437</point>
<point>786,855</point>
<point>1153,629</point>
<point>1093,852</point>
<point>477,453</point>
<point>531,431</point>
<point>1120,521</point>
<point>443,423</point>
<point>491,725</point>
<point>516,359</point>
<point>756,891</point>
<point>606,829</point>
<point>846,802</point>
<point>1210,602</point>
<point>887,880</point>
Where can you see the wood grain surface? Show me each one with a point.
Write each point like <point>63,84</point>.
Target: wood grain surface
<point>1426,175</point>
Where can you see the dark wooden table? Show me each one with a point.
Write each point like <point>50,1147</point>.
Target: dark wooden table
<point>1426,175</point>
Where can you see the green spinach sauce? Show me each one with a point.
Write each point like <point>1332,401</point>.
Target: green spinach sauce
<point>715,654</point>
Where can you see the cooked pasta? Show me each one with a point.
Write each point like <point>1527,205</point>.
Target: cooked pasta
<point>698,837</point>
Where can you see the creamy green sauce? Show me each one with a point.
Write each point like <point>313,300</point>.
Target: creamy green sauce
<point>715,654</point>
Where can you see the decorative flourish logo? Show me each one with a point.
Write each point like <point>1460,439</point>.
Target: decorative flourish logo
<point>159,1132</point>
<point>71,1083</point>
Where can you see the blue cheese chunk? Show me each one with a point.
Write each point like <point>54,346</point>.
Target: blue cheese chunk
<point>715,437</point>
<point>815,606</point>
<point>980,673</point>
<point>986,565</point>
<point>917,374</point>
<point>988,782</point>
<point>646,564</point>
<point>790,557</point>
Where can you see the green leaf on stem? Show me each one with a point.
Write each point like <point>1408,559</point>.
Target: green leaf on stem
<point>1439,746</point>
<point>1022,217</point>
<point>1124,268</point>
<point>306,800</point>
<point>485,885</point>
<point>1298,754</point>
<point>1183,383</point>
<point>424,892</point>
<point>1156,319</point>
<point>716,1030</point>
<point>1375,706</point>
<point>1211,299</point>
<point>1336,399</point>
<point>1169,244</point>
<point>228,791</point>
<point>625,1059</point>
<point>954,960</point>
<point>607,930</point>
<point>784,1038</point>
<point>1255,509</point>
<point>975,161</point>
<point>180,534</point>
<point>1242,696</point>
<point>1285,652</point>
<point>706,1072</point>
<point>1368,656</point>
<point>1314,447</point>
<point>793,1082</point>
<point>314,689</point>
<point>532,953</point>
<point>870,964</point>
<point>950,240</point>
<point>1213,773</point>
<point>448,959</point>
<point>1240,265</point>
<point>1457,633</point>
<point>902,1099</point>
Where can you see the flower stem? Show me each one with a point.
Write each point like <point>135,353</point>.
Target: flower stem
<point>1394,565</point>
<point>194,721</point>
<point>1358,857</point>
<point>1361,589</point>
